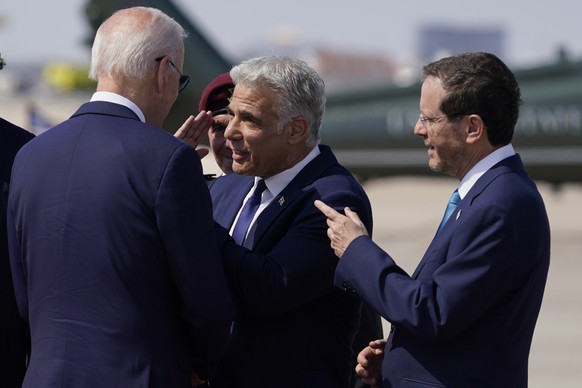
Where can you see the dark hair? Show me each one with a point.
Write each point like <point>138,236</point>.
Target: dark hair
<point>479,83</point>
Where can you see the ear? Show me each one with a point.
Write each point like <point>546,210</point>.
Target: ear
<point>297,130</point>
<point>162,75</point>
<point>476,129</point>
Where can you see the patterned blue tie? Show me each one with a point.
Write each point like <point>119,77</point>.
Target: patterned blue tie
<point>248,212</point>
<point>451,206</point>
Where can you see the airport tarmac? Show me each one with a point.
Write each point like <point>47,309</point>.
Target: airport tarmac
<point>406,213</point>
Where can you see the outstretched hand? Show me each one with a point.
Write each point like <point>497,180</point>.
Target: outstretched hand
<point>342,230</point>
<point>194,129</point>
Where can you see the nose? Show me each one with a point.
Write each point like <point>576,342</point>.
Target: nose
<point>419,129</point>
<point>232,132</point>
<point>230,129</point>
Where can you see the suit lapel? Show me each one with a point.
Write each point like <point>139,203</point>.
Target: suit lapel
<point>292,192</point>
<point>228,193</point>
<point>508,165</point>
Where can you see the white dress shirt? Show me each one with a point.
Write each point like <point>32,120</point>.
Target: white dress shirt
<point>482,166</point>
<point>275,185</point>
<point>120,100</point>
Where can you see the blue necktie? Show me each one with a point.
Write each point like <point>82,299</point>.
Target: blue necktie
<point>451,206</point>
<point>248,212</point>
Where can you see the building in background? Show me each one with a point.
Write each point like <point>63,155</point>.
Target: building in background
<point>438,41</point>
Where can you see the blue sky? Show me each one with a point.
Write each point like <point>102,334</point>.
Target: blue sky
<point>534,30</point>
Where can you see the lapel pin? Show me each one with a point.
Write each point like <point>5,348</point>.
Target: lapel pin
<point>281,201</point>
<point>458,214</point>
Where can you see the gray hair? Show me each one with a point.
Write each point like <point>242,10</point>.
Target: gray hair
<point>130,40</point>
<point>299,89</point>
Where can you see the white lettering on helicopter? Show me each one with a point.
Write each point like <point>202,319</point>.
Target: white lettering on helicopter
<point>533,121</point>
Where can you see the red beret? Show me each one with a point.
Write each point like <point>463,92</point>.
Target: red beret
<point>216,94</point>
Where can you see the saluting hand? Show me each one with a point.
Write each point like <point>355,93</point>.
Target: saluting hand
<point>342,229</point>
<point>193,129</point>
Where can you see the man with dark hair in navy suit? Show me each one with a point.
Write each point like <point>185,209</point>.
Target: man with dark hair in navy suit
<point>14,338</point>
<point>466,316</point>
<point>113,253</point>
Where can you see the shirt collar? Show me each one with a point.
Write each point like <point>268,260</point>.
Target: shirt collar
<point>120,100</point>
<point>482,166</point>
<point>278,182</point>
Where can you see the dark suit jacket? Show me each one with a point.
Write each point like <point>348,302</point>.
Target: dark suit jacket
<point>113,255</point>
<point>293,328</point>
<point>466,316</point>
<point>14,339</point>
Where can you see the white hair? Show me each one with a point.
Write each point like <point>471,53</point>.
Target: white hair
<point>129,41</point>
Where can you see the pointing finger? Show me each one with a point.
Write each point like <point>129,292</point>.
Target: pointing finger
<point>326,210</point>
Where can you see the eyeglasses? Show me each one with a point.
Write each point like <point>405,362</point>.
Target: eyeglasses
<point>426,121</point>
<point>184,79</point>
